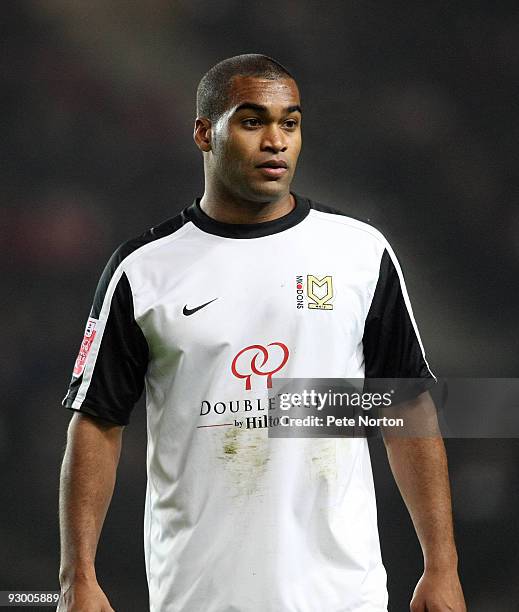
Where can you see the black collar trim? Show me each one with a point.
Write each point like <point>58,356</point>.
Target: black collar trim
<point>248,230</point>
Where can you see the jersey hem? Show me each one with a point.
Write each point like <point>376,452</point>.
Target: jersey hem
<point>89,408</point>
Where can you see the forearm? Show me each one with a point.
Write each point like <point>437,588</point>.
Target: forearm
<point>419,466</point>
<point>420,470</point>
<point>86,486</point>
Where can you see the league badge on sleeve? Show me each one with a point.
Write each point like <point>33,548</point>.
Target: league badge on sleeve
<point>88,338</point>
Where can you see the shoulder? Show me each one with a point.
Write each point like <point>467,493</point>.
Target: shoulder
<point>346,224</point>
<point>155,237</point>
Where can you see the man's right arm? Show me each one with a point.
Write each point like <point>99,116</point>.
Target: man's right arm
<point>86,486</point>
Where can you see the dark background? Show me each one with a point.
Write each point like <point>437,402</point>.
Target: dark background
<point>410,120</point>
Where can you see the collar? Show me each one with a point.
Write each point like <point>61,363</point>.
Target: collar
<point>248,230</point>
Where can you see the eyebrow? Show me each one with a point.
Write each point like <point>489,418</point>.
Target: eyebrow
<point>263,109</point>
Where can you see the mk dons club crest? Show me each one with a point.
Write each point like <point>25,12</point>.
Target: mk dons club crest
<point>319,292</point>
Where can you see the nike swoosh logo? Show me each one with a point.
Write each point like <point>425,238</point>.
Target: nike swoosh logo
<point>189,311</point>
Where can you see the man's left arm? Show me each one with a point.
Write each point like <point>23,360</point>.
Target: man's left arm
<point>419,466</point>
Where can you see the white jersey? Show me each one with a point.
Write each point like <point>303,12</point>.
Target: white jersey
<point>204,314</point>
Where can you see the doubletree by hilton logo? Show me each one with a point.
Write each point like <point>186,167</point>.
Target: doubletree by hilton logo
<point>260,360</point>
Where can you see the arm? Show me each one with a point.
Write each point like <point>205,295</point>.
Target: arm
<point>86,487</point>
<point>419,465</point>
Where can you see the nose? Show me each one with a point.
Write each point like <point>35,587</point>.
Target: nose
<point>274,140</point>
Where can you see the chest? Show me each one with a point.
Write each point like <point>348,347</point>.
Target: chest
<point>236,293</point>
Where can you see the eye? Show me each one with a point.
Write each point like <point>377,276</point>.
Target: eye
<point>291,123</point>
<point>252,122</point>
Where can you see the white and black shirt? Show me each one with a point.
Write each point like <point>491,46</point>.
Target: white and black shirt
<point>203,314</point>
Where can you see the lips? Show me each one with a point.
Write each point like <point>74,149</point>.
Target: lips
<point>273,163</point>
<point>273,168</point>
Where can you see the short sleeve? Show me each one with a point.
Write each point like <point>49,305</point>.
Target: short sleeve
<point>391,342</point>
<point>108,375</point>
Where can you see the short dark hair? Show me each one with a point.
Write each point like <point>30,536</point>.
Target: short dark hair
<point>212,94</point>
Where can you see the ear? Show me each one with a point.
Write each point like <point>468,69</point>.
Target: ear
<point>202,134</point>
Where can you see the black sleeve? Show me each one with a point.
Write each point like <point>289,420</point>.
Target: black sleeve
<point>391,342</point>
<point>108,376</point>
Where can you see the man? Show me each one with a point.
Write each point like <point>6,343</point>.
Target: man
<point>249,281</point>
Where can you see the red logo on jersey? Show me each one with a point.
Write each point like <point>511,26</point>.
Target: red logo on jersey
<point>249,364</point>
<point>90,334</point>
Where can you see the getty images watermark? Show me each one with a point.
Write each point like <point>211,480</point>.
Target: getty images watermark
<point>452,408</point>
<point>319,400</point>
<point>339,407</point>
<point>333,402</point>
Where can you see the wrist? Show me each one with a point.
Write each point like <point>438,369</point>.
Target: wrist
<point>447,562</point>
<point>77,574</point>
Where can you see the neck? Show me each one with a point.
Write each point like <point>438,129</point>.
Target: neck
<point>229,208</point>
